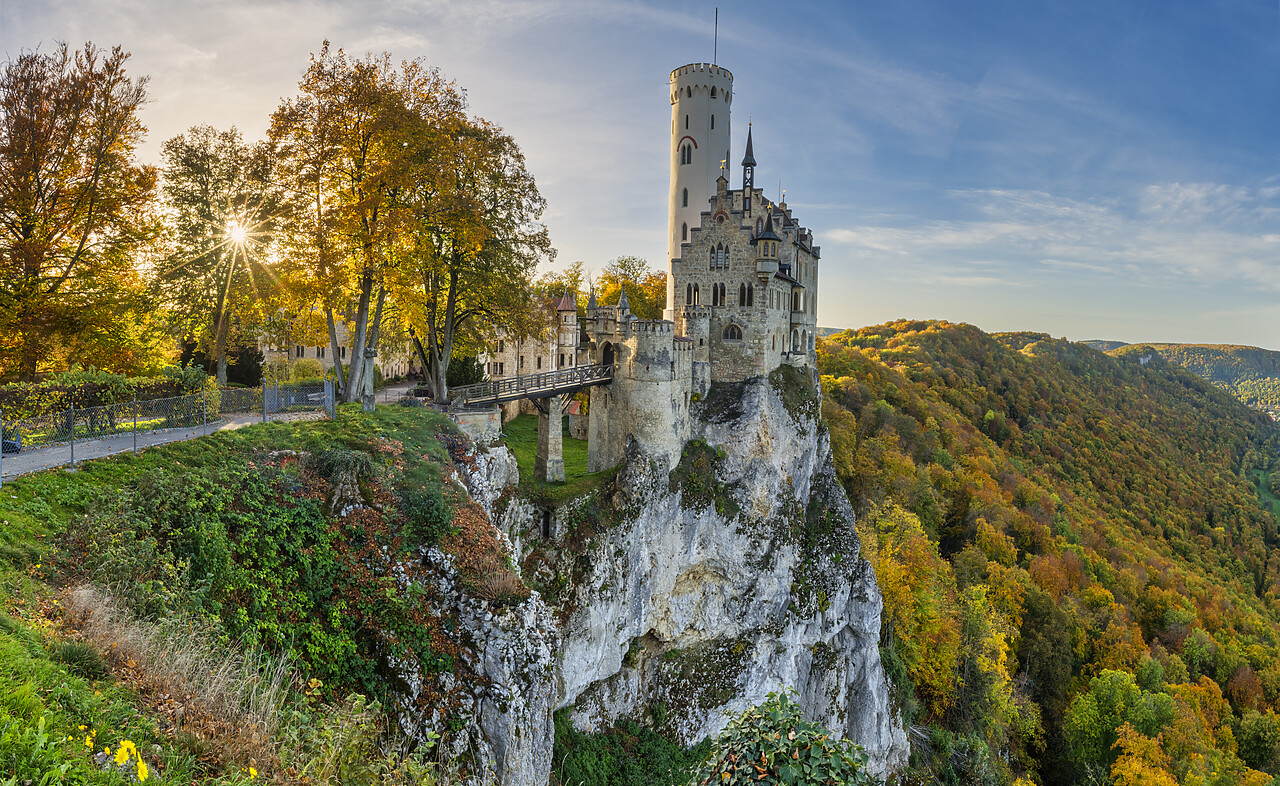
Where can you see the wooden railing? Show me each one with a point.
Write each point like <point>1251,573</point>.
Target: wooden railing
<point>543,385</point>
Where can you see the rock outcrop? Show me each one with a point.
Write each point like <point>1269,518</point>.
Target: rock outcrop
<point>686,594</point>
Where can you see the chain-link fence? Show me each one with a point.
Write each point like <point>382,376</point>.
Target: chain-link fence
<point>80,433</point>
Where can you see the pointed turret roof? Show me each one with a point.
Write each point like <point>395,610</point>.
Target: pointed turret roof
<point>768,233</point>
<point>565,302</point>
<point>623,304</point>
<point>591,301</point>
<point>749,159</point>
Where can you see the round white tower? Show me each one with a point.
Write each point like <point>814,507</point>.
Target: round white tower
<point>701,94</point>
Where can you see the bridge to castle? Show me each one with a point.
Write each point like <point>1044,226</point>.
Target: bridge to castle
<point>547,384</point>
<point>549,391</point>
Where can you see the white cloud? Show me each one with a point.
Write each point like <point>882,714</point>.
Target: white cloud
<point>1199,234</point>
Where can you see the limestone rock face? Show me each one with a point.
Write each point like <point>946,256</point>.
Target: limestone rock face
<point>737,575</point>
<point>679,599</point>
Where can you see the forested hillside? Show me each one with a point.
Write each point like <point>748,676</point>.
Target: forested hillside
<point>1080,577</point>
<point>1252,374</point>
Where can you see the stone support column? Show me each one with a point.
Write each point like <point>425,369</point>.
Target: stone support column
<point>549,464</point>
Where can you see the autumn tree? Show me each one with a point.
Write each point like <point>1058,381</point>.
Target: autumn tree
<point>345,149</point>
<point>75,211</point>
<point>646,288</point>
<point>221,205</point>
<point>466,265</point>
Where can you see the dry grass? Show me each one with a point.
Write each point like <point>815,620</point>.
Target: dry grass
<point>234,698</point>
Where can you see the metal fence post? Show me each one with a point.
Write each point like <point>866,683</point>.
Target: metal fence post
<point>204,408</point>
<point>73,435</point>
<point>264,400</point>
<point>135,424</point>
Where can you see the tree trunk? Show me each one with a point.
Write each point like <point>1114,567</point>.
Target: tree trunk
<point>356,371</point>
<point>337,356</point>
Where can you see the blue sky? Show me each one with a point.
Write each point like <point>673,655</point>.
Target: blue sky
<point>1085,169</point>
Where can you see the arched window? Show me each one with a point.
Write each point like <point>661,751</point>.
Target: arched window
<point>689,92</point>
<point>726,256</point>
<point>684,232</point>
<point>688,294</point>
<point>733,333</point>
<point>723,300</point>
<point>697,298</point>
<point>795,341</point>
<point>713,120</point>
<point>686,154</point>
<point>713,91</point>
<point>686,198</point>
<point>742,295</point>
<point>751,295</point>
<point>712,263</point>
<point>775,342</point>
<point>759,225</point>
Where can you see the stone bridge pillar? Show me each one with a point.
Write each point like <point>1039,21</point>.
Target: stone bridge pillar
<point>549,464</point>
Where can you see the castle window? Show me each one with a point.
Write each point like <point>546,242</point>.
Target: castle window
<point>751,295</point>
<point>713,119</point>
<point>686,154</point>
<point>686,198</point>
<point>319,352</point>
<point>733,333</point>
<point>521,364</point>
<point>684,232</point>
<point>561,360</point>
<point>712,263</point>
<point>688,294</point>
<point>501,346</point>
<point>742,295</point>
<point>342,353</point>
<point>775,342</point>
<point>713,91</point>
<point>759,225</point>
<point>689,92</point>
<point>686,122</point>
<point>539,364</point>
<point>697,297</point>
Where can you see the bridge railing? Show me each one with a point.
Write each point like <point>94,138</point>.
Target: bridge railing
<point>538,385</point>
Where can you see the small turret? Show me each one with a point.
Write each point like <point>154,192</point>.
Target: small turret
<point>591,301</point>
<point>624,306</point>
<point>766,244</point>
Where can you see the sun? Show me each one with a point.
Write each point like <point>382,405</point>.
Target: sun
<point>236,233</point>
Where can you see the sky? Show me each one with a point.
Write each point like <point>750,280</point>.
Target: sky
<point>1084,168</point>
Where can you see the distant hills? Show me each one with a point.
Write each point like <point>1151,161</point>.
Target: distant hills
<point>1077,550</point>
<point>1252,374</point>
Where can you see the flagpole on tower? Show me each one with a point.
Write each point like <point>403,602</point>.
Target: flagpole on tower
<point>715,39</point>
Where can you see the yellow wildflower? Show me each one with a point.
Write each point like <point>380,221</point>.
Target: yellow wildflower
<point>143,773</point>
<point>88,741</point>
<point>252,773</point>
<point>122,756</point>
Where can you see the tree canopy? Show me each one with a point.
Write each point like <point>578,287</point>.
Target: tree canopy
<point>76,211</point>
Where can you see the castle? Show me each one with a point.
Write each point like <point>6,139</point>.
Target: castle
<point>741,294</point>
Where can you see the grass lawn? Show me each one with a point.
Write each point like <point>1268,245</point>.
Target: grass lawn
<point>521,436</point>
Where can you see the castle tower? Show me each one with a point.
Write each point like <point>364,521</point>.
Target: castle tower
<point>700,97</point>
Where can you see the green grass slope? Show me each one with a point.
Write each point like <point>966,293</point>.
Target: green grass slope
<point>201,612</point>
<point>1250,373</point>
<point>1077,551</point>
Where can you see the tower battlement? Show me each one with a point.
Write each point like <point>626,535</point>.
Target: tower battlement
<point>701,69</point>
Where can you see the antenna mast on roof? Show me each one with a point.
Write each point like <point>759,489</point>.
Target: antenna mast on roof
<point>715,38</point>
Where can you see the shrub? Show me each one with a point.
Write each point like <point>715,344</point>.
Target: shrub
<point>773,744</point>
<point>427,515</point>
<point>306,370</point>
<point>464,371</point>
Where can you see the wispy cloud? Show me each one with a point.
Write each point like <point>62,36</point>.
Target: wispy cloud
<point>1202,234</point>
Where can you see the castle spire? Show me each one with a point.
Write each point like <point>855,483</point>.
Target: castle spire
<point>623,305</point>
<point>591,301</point>
<point>748,175</point>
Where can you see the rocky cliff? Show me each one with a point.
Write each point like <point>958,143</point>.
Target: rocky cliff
<point>686,594</point>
